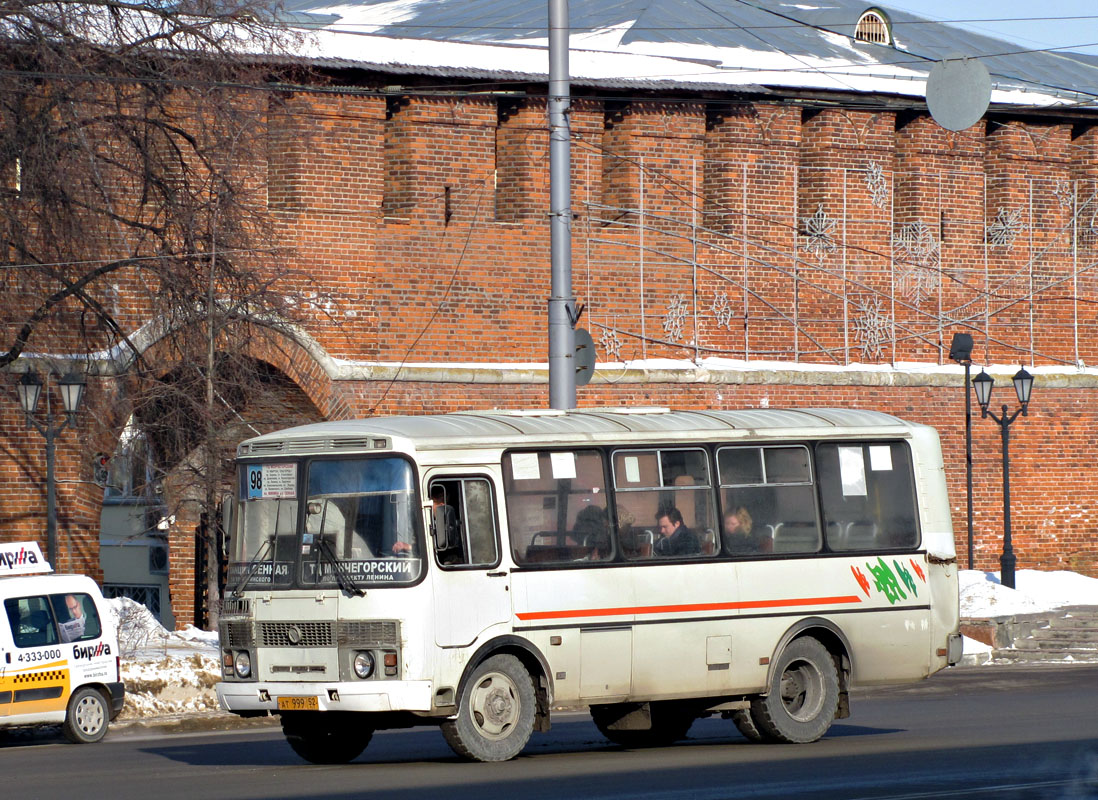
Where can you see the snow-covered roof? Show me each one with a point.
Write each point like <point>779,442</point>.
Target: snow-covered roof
<point>685,44</point>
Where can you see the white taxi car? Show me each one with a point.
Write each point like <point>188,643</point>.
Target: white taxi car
<point>59,659</point>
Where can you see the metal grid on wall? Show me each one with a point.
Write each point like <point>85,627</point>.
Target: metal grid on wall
<point>859,270</point>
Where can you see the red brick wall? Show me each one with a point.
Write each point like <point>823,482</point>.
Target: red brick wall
<point>420,224</point>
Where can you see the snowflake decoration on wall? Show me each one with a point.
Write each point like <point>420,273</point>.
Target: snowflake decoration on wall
<point>918,253</point>
<point>722,310</point>
<point>1007,227</point>
<point>611,344</point>
<point>817,230</point>
<point>876,184</point>
<point>873,329</point>
<point>676,316</point>
<point>1063,193</point>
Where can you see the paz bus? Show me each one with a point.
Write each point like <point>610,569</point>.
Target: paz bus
<point>474,570</point>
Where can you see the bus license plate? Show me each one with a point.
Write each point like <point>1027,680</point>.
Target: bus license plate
<point>298,704</point>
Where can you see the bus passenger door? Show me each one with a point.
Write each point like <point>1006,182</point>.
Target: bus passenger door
<point>471,589</point>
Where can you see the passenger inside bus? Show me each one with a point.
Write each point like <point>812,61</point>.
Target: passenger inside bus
<point>446,529</point>
<point>592,533</point>
<point>739,536</point>
<point>676,539</point>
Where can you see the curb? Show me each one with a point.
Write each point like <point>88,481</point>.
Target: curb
<point>193,723</point>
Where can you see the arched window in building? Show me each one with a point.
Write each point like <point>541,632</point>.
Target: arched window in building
<point>873,27</point>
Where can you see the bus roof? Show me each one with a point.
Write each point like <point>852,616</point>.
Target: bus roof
<point>547,426</point>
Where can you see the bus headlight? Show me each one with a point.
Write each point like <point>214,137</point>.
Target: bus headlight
<point>243,664</point>
<point>363,664</point>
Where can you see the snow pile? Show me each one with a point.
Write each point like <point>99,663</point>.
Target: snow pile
<point>983,596</point>
<point>165,672</point>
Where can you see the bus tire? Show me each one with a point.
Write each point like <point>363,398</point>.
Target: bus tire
<point>745,724</point>
<point>803,697</point>
<point>495,713</point>
<point>322,737</point>
<point>87,716</point>
<point>670,723</point>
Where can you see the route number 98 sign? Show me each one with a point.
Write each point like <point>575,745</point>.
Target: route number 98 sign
<point>271,481</point>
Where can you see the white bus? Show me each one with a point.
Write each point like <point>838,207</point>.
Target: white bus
<point>474,570</point>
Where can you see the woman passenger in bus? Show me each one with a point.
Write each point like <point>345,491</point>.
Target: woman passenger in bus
<point>738,536</point>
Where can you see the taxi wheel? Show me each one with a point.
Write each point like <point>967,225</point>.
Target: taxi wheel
<point>87,716</point>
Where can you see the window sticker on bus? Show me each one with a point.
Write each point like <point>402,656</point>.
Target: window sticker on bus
<point>852,471</point>
<point>564,465</point>
<point>272,481</point>
<point>524,466</point>
<point>632,469</point>
<point>880,458</point>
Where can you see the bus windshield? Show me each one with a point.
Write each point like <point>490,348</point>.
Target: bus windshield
<point>358,527</point>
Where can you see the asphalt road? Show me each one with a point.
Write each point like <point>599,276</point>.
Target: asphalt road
<point>999,731</point>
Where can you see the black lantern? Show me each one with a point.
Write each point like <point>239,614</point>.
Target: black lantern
<point>29,389</point>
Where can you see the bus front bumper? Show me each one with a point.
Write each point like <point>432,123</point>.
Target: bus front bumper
<point>260,696</point>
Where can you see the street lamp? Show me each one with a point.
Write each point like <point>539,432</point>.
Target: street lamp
<point>29,390</point>
<point>1023,386</point>
<point>960,350</point>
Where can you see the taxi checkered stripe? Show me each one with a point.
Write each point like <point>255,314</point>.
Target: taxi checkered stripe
<point>39,677</point>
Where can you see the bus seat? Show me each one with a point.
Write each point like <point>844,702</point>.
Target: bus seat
<point>861,535</point>
<point>709,542</point>
<point>797,537</point>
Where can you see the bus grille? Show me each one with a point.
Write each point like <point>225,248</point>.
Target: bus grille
<point>358,633</point>
<point>236,633</point>
<point>234,606</point>
<point>295,634</point>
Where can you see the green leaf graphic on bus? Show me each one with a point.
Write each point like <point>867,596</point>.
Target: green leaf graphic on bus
<point>886,582</point>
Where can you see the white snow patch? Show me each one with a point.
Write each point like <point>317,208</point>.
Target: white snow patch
<point>165,672</point>
<point>982,595</point>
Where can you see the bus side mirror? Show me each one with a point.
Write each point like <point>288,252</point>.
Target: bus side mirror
<point>227,518</point>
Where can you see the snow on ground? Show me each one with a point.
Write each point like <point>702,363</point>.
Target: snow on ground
<point>165,672</point>
<point>982,596</point>
<point>174,672</point>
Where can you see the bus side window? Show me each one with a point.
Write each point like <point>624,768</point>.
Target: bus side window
<point>463,522</point>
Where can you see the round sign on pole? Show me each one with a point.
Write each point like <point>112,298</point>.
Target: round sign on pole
<point>585,357</point>
<point>958,92</point>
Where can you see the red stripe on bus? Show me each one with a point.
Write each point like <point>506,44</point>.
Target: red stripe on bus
<point>746,604</point>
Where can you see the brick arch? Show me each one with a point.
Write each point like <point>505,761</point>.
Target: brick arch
<point>300,358</point>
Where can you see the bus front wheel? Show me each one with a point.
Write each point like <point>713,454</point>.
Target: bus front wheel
<point>495,713</point>
<point>322,737</point>
<point>803,697</point>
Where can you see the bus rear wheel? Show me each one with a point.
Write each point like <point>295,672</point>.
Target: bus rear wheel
<point>803,697</point>
<point>495,713</point>
<point>87,716</point>
<point>322,737</point>
<point>670,723</point>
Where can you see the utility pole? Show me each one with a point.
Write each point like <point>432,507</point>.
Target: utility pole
<point>562,304</point>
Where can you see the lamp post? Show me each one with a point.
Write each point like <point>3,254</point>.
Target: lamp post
<point>29,390</point>
<point>1023,385</point>
<point>960,350</point>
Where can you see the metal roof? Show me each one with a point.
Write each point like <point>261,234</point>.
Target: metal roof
<point>516,428</point>
<point>718,36</point>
